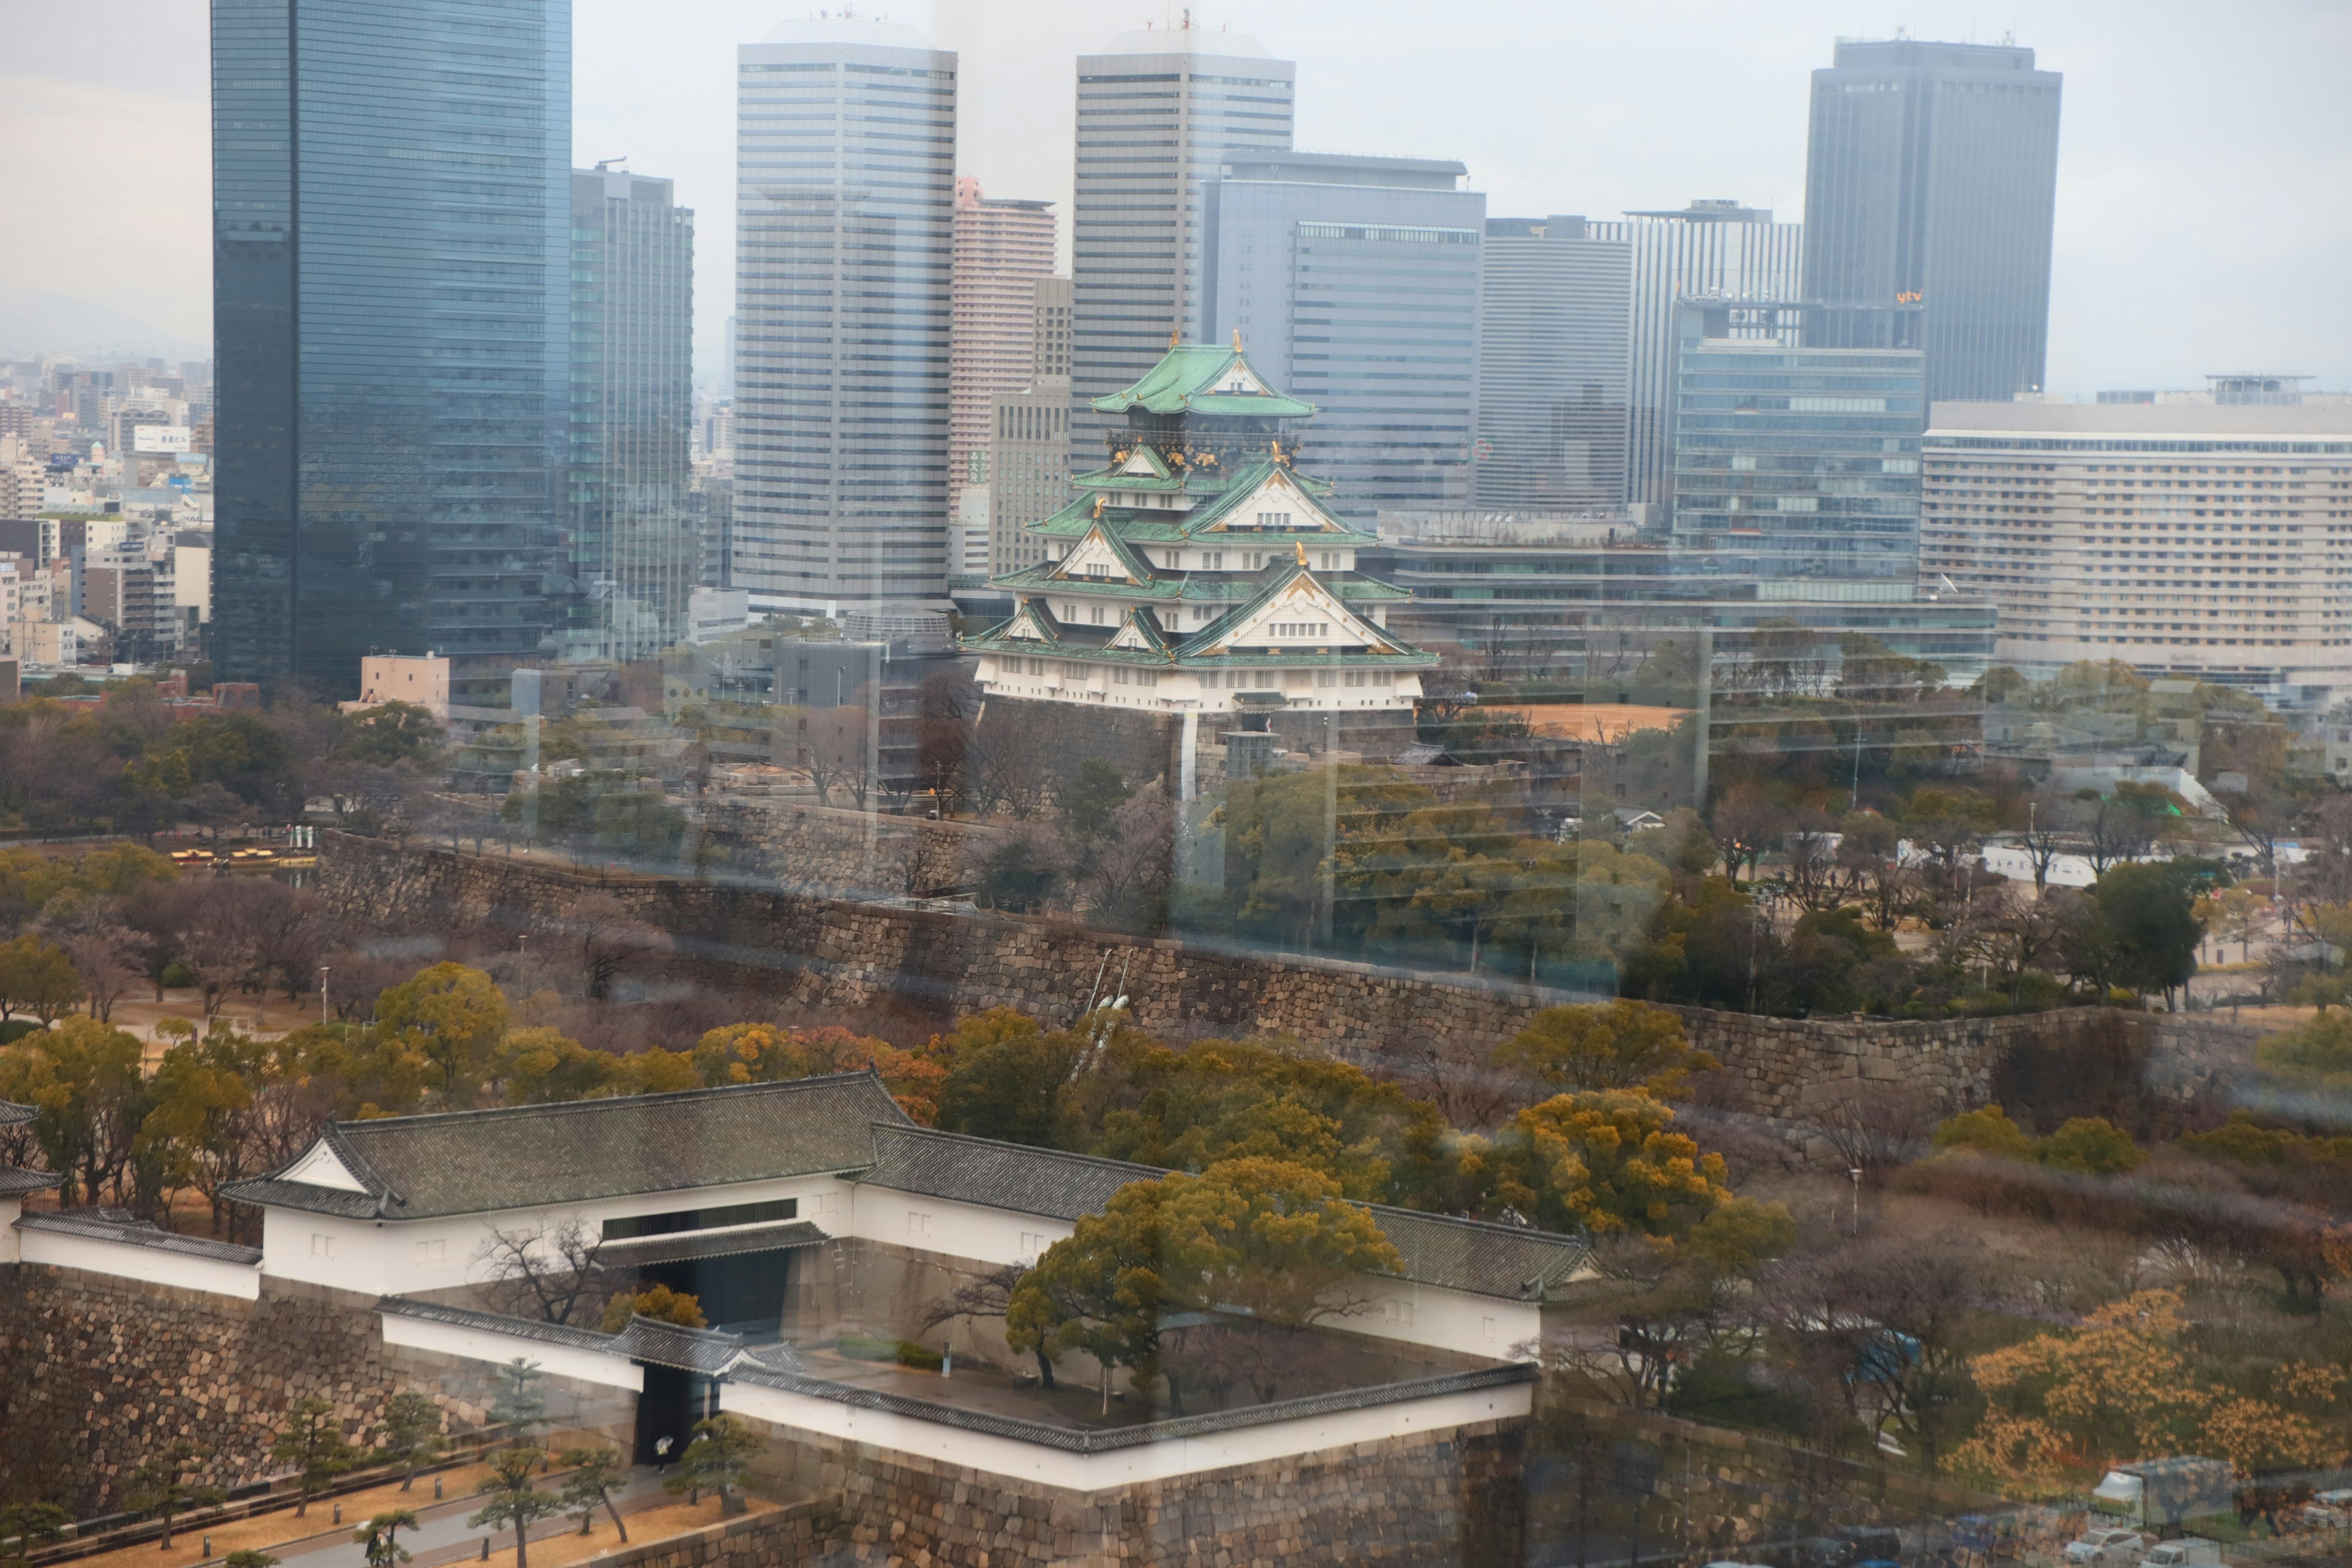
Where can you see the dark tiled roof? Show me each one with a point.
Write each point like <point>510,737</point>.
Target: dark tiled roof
<point>1453,1254</point>
<point>15,1182</point>
<point>12,1114</point>
<point>480,1161</point>
<point>496,1323</point>
<point>1482,1258</point>
<point>998,1176</point>
<point>109,1225</point>
<point>708,1350</point>
<point>776,1237</point>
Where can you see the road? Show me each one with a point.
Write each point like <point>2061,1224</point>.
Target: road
<point>444,1536</point>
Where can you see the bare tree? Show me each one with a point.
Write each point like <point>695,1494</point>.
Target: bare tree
<point>1817,878</point>
<point>542,1271</point>
<point>1744,825</point>
<point>836,748</point>
<point>613,940</point>
<point>1128,873</point>
<point>1876,1126</point>
<point>930,859</point>
<point>988,1295</point>
<point>2044,838</point>
<point>105,951</point>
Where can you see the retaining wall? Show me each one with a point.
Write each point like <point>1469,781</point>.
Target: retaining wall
<point>842,956</point>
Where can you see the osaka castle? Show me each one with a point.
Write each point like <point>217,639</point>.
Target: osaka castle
<point>1198,571</point>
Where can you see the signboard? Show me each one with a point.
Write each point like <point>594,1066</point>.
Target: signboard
<point>160,438</point>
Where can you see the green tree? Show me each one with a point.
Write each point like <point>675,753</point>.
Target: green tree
<point>514,1497</point>
<point>247,1557</point>
<point>1616,1045</point>
<point>1099,1291</point>
<point>2092,1146</point>
<point>451,1015</point>
<point>719,1458</point>
<point>36,977</point>
<point>26,1525</point>
<point>411,1432</point>
<point>1010,1085</point>
<point>2149,912</point>
<point>380,1538</point>
<point>1987,1130</point>
<point>1088,800</point>
<point>1606,1161</point>
<point>312,1441</point>
<point>519,1406</point>
<point>596,1473</point>
<point>660,1303</point>
<point>82,1079</point>
<point>2316,1053</point>
<point>1276,1239</point>
<point>388,734</point>
<point>161,1484</point>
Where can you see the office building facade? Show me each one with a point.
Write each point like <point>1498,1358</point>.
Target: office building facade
<point>1158,113</point>
<point>1552,367</point>
<point>1029,437</point>
<point>1354,283</point>
<point>2188,537</point>
<point>844,238</point>
<point>1002,249</point>
<point>1719,248</point>
<point>1806,459</point>
<point>634,551</point>
<point>1931,177</point>
<point>391,303</point>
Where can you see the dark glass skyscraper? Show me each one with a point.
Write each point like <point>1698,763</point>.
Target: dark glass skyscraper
<point>1930,182</point>
<point>391,308</point>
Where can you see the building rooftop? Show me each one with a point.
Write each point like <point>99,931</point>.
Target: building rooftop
<point>481,1161</point>
<point>1205,378</point>
<point>1189,41</point>
<point>115,1225</point>
<point>2222,420</point>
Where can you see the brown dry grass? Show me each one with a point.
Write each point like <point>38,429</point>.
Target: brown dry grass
<point>263,1531</point>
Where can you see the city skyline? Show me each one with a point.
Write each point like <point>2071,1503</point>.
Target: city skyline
<point>2129,166</point>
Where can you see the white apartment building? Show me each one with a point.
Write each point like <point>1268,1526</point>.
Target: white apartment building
<point>2206,538</point>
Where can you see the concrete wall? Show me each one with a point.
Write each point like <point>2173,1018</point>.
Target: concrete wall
<point>148,1265</point>
<point>842,957</point>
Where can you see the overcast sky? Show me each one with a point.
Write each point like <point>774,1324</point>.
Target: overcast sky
<point>2205,160</point>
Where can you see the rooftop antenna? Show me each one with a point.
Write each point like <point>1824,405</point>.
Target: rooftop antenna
<point>602,163</point>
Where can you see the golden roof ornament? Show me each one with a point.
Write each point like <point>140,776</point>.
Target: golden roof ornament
<point>1099,506</point>
<point>1300,546</point>
<point>1238,340</point>
<point>1281,458</point>
<point>1173,337</point>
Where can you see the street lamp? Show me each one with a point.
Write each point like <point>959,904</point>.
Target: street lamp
<point>1855,1173</point>
<point>323,992</point>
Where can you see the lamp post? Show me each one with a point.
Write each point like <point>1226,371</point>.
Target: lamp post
<point>1855,1173</point>
<point>323,992</point>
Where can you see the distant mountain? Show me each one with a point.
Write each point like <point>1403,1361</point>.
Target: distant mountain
<point>32,321</point>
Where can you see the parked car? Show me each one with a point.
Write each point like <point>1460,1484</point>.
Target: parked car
<point>2329,1509</point>
<point>2188,1551</point>
<point>2106,1548</point>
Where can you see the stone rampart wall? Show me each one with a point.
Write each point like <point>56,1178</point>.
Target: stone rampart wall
<point>842,956</point>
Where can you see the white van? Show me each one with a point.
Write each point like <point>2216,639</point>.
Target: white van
<point>2189,1552</point>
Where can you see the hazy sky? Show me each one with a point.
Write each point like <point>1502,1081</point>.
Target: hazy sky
<point>2205,160</point>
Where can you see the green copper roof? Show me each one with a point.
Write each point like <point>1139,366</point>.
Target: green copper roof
<point>1187,380</point>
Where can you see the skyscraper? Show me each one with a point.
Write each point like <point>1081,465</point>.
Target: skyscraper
<point>844,234</point>
<point>1029,437</point>
<point>1805,459</point>
<point>633,551</point>
<point>1354,283</point>
<point>1720,248</point>
<point>391,203</point>
<point>1931,182</point>
<point>1002,248</point>
<point>1556,304</point>
<point>1158,113</point>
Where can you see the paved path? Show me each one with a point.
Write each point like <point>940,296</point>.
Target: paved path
<point>444,1536</point>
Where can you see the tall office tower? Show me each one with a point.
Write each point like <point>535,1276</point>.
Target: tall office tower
<point>391,307</point>
<point>1556,307</point>
<point>1354,282</point>
<point>1002,249</point>
<point>2205,534</point>
<point>1158,113</point>
<point>1806,459</point>
<point>633,551</point>
<point>1931,179</point>
<point>844,255</point>
<point>1719,248</point>
<point>1029,437</point>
